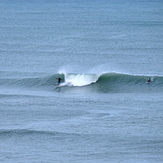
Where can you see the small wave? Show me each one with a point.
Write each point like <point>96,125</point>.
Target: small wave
<point>8,133</point>
<point>25,132</point>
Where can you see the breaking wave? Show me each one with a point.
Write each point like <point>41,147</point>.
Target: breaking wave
<point>104,82</point>
<point>80,79</point>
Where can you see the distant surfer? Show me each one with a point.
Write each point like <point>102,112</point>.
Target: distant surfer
<point>59,80</point>
<point>149,80</point>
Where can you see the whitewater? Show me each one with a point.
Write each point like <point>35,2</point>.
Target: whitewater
<point>104,110</point>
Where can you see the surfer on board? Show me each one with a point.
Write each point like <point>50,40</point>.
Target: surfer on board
<point>59,80</point>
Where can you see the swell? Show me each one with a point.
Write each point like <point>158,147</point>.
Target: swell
<point>26,132</point>
<point>21,132</point>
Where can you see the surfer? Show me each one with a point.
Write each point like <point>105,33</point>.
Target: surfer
<point>149,80</point>
<point>59,80</point>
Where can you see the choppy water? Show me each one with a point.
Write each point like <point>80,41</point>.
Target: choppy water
<point>104,110</point>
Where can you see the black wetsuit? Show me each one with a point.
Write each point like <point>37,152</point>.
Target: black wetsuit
<point>149,80</point>
<point>59,80</point>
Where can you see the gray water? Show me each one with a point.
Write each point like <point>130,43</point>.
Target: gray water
<point>103,111</point>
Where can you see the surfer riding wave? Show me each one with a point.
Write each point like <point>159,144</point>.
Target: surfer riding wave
<point>59,80</point>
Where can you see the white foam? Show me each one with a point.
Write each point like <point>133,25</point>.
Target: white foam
<point>80,79</point>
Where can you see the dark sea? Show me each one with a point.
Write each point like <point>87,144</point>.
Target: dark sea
<point>104,110</point>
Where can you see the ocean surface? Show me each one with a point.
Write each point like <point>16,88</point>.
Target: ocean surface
<point>104,110</point>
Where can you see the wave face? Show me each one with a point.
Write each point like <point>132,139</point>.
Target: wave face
<point>129,83</point>
<point>107,82</point>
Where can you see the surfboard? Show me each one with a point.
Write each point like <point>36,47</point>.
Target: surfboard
<point>55,84</point>
<point>57,87</point>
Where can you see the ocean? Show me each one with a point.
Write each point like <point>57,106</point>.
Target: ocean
<point>104,110</point>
